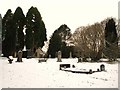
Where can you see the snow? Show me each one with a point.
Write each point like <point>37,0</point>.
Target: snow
<point>31,74</point>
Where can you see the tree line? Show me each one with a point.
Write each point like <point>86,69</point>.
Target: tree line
<point>96,41</point>
<point>13,25</point>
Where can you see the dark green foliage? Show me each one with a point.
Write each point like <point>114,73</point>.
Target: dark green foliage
<point>57,41</point>
<point>111,40</point>
<point>7,34</point>
<point>35,29</point>
<point>6,22</point>
<point>66,50</point>
<point>18,26</point>
<point>55,44</point>
<point>13,26</point>
<point>40,34</point>
<point>110,33</point>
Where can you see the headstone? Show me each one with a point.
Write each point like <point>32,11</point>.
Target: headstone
<point>59,56</point>
<point>10,59</point>
<point>49,56</point>
<point>102,67</point>
<point>19,59</point>
<point>70,54</point>
<point>73,66</point>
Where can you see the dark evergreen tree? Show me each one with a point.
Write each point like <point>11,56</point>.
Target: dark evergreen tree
<point>29,28</point>
<point>7,34</point>
<point>110,33</point>
<point>35,29</point>
<point>18,26</point>
<point>65,50</point>
<point>5,22</point>
<point>111,39</point>
<point>55,44</point>
<point>58,41</point>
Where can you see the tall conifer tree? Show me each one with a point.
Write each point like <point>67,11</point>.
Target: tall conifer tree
<point>58,41</point>
<point>18,24</point>
<point>7,34</point>
<point>35,29</point>
<point>111,40</point>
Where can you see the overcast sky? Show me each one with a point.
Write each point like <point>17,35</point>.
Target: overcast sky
<point>74,13</point>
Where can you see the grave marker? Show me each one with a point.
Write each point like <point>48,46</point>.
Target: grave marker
<point>19,59</point>
<point>59,56</point>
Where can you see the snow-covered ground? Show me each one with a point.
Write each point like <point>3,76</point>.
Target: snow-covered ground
<point>31,74</point>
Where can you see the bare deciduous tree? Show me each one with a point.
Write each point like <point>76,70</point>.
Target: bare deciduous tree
<point>89,41</point>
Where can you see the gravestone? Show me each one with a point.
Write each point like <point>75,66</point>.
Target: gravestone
<point>19,59</point>
<point>73,66</point>
<point>10,59</point>
<point>49,56</point>
<point>59,56</point>
<point>102,67</point>
<point>70,54</point>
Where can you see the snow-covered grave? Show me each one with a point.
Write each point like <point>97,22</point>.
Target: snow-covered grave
<point>31,74</point>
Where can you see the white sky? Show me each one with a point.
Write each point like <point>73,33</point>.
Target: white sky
<point>74,13</point>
